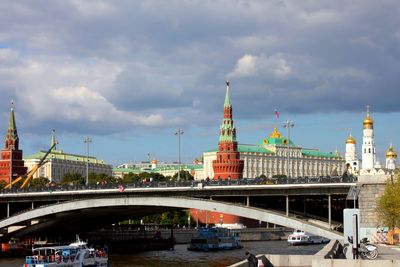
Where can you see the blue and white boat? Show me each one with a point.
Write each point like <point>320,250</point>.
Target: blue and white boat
<point>76,254</point>
<point>215,238</point>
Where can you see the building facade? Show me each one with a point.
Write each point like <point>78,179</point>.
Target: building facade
<point>59,163</point>
<point>11,163</point>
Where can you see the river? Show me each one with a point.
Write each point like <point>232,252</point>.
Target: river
<point>182,257</point>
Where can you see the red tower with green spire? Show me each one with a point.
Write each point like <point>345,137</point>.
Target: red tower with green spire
<point>228,164</point>
<point>11,162</point>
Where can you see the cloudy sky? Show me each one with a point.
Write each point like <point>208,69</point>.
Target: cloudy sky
<point>128,73</point>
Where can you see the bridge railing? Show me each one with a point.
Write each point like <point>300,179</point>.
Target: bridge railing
<point>190,184</point>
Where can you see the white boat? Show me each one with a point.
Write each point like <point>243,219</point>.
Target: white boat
<point>299,237</point>
<point>76,254</point>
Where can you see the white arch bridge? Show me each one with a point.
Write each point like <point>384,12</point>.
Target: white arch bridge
<point>71,210</point>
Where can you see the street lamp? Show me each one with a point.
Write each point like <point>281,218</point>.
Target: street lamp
<point>87,141</point>
<point>288,125</point>
<point>179,132</point>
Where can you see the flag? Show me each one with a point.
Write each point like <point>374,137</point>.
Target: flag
<point>121,188</point>
<point>276,113</point>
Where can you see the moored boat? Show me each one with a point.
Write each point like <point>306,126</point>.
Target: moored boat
<point>76,254</point>
<point>299,237</point>
<point>215,238</point>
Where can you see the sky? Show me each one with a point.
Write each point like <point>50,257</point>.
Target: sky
<point>129,73</point>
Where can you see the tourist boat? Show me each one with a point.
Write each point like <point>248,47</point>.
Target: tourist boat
<point>215,238</point>
<point>299,237</point>
<point>76,254</point>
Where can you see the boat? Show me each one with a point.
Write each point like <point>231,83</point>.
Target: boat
<point>214,238</point>
<point>299,237</point>
<point>76,254</point>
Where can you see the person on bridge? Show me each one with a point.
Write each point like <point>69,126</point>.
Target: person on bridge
<point>253,262</point>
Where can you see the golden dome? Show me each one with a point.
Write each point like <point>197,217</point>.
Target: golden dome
<point>154,161</point>
<point>391,153</point>
<point>368,122</point>
<point>350,140</point>
<point>275,134</point>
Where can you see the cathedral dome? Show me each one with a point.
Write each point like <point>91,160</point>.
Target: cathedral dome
<point>391,153</point>
<point>275,134</point>
<point>350,140</point>
<point>368,122</point>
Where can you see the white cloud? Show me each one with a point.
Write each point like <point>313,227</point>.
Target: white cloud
<point>249,65</point>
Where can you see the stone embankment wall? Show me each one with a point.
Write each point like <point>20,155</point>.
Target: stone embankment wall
<point>367,203</point>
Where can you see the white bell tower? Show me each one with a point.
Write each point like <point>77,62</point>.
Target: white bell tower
<point>352,163</point>
<point>368,146</point>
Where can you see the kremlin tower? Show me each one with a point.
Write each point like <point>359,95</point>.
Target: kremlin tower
<point>368,146</point>
<point>11,162</point>
<point>353,164</point>
<point>227,164</point>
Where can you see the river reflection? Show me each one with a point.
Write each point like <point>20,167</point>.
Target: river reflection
<point>181,256</point>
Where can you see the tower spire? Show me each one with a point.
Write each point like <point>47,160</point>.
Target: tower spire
<point>227,97</point>
<point>12,139</point>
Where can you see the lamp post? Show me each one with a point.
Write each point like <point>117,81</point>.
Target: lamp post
<point>288,125</point>
<point>87,141</point>
<point>179,132</point>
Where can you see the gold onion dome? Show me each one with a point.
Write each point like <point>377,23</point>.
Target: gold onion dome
<point>275,134</point>
<point>391,153</point>
<point>154,161</point>
<point>350,140</point>
<point>368,122</point>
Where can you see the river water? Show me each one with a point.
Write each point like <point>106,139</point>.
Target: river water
<point>182,257</point>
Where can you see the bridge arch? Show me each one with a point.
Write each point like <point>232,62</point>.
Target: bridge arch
<point>178,202</point>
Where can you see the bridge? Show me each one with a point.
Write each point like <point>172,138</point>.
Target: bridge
<point>82,206</point>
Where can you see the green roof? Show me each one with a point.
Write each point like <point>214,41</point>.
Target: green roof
<point>317,153</point>
<point>176,167</point>
<point>59,154</point>
<point>248,148</point>
<point>276,141</point>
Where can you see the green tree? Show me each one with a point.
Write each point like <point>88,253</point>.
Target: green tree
<point>388,207</point>
<point>73,179</point>
<point>2,184</point>
<point>39,182</point>
<point>130,178</point>
<point>184,175</point>
<point>98,178</point>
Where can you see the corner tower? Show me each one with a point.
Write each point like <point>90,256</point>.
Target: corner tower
<point>368,146</point>
<point>11,163</point>
<point>228,164</point>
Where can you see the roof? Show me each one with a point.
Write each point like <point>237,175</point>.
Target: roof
<point>317,153</point>
<point>248,148</point>
<point>276,141</point>
<point>59,154</point>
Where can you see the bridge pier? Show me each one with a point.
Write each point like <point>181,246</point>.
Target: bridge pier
<point>329,211</point>
<point>287,205</point>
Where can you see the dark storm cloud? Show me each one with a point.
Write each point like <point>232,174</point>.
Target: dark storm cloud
<point>163,63</point>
